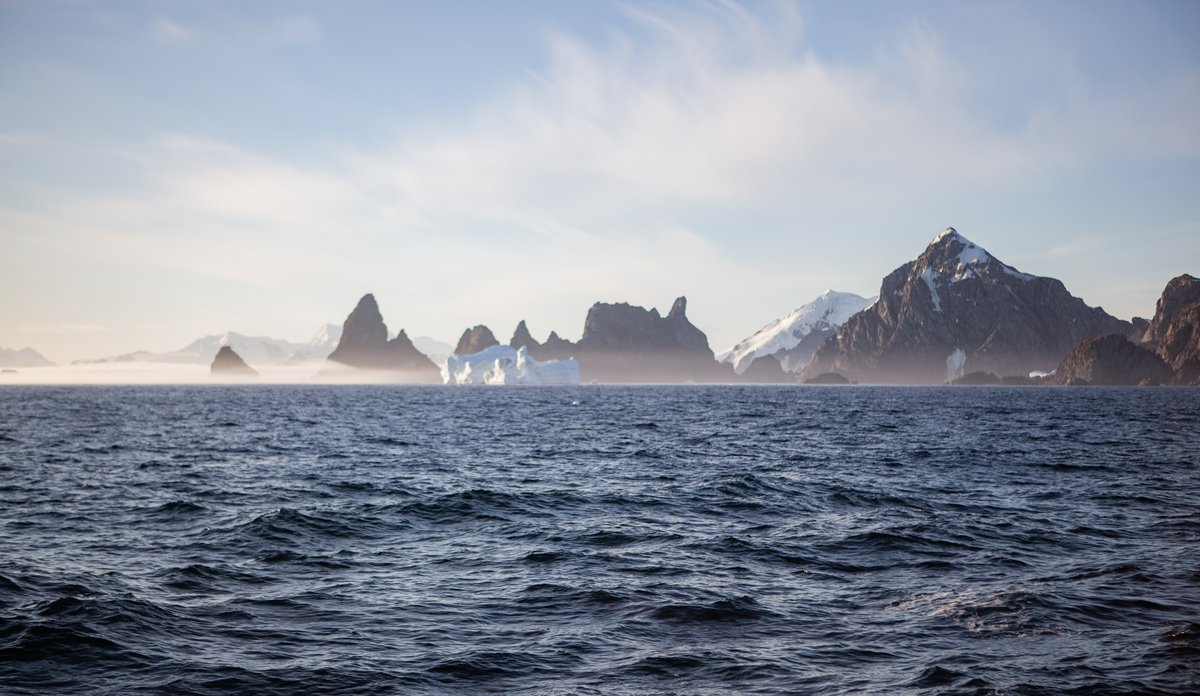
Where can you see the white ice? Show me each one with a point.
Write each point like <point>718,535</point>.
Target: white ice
<point>505,365</point>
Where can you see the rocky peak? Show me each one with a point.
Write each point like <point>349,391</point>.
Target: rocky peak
<point>678,309</point>
<point>522,338</point>
<point>229,363</point>
<point>475,339</point>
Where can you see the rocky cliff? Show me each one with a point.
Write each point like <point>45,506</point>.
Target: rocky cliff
<point>475,340</point>
<point>957,309</point>
<point>1174,332</point>
<point>364,345</point>
<point>228,363</point>
<point>1111,360</point>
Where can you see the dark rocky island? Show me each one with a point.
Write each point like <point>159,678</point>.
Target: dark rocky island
<point>228,363</point>
<point>364,347</point>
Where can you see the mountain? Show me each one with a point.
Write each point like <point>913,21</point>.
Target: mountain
<point>1111,360</point>
<point>227,363</point>
<point>25,357</point>
<point>957,309</point>
<point>475,340</point>
<point>1174,332</point>
<point>793,339</point>
<point>364,345</point>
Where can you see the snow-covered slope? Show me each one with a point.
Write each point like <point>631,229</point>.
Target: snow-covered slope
<point>794,338</point>
<point>505,365</point>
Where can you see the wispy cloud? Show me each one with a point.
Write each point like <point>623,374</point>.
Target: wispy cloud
<point>169,32</point>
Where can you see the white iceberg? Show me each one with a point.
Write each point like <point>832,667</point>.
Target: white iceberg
<point>505,365</point>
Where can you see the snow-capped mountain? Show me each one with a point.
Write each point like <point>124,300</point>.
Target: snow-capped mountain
<point>793,339</point>
<point>255,350</point>
<point>957,309</point>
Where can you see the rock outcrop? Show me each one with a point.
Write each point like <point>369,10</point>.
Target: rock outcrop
<point>475,340</point>
<point>523,339</point>
<point>766,369</point>
<point>364,345</point>
<point>228,363</point>
<point>1111,360</point>
<point>957,309</point>
<point>1174,332</point>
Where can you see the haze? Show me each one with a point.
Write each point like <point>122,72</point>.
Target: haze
<point>172,170</point>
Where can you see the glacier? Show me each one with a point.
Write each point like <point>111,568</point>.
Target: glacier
<point>502,365</point>
<point>781,336</point>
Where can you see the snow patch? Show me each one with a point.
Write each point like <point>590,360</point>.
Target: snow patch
<point>830,310</point>
<point>954,364</point>
<point>928,275</point>
<point>505,365</point>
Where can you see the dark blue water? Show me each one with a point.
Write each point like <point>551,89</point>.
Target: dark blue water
<point>267,540</point>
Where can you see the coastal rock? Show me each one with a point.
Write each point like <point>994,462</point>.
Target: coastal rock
<point>475,340</point>
<point>827,378</point>
<point>766,370</point>
<point>364,345</point>
<point>228,363</point>
<point>977,379</point>
<point>1174,332</point>
<point>1111,360</point>
<point>957,309</point>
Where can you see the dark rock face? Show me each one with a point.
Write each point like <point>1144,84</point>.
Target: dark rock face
<point>766,370</point>
<point>364,345</point>
<point>522,338</point>
<point>623,343</point>
<point>1174,333</point>
<point>475,339</point>
<point>956,309</point>
<point>1111,360</point>
<point>227,363</point>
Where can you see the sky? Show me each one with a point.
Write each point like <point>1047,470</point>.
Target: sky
<point>173,169</point>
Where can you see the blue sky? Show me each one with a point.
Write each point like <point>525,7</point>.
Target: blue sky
<point>175,169</point>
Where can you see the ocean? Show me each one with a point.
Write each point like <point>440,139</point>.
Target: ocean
<point>599,540</point>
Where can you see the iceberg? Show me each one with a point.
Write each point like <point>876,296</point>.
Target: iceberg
<point>506,365</point>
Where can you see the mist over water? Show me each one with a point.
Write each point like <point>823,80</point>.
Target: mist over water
<point>371,539</point>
